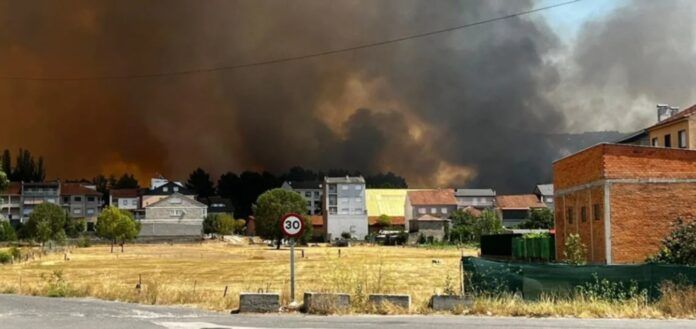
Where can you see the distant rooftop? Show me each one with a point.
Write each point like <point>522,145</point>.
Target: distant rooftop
<point>305,184</point>
<point>461,192</point>
<point>432,197</point>
<point>345,180</point>
<point>545,189</point>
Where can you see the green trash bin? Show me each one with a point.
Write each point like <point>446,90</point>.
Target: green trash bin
<point>518,248</point>
<point>545,248</point>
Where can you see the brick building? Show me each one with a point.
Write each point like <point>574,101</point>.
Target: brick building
<point>622,199</point>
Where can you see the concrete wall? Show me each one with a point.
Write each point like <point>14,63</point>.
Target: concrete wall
<point>354,224</point>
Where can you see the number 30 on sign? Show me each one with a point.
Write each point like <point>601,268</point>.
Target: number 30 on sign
<point>292,225</point>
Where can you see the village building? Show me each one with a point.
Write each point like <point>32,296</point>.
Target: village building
<point>311,191</point>
<point>427,212</point>
<point>513,209</point>
<point>544,193</point>
<point>480,198</point>
<point>175,215</point>
<point>622,199</point>
<point>389,202</point>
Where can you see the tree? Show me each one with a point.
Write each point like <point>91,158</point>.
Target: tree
<point>679,247</point>
<point>74,227</point>
<point>26,169</point>
<point>46,222</point>
<point>487,223</point>
<point>117,225</point>
<point>388,180</point>
<point>4,182</point>
<point>462,226</point>
<point>126,181</point>
<point>223,224</point>
<point>7,233</point>
<point>6,161</point>
<point>271,206</point>
<point>384,221</point>
<point>199,181</point>
<point>102,184</point>
<point>538,219</point>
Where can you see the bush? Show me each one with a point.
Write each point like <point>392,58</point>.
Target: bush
<point>346,235</point>
<point>538,219</point>
<point>5,257</point>
<point>84,242</point>
<point>7,233</point>
<point>575,252</point>
<point>679,247</point>
<point>75,227</point>
<point>15,253</point>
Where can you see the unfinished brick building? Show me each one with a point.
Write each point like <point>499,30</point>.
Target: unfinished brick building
<point>622,199</point>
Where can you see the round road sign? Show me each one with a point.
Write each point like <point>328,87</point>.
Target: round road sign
<point>292,225</point>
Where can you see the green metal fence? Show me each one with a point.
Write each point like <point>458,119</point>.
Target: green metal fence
<point>540,247</point>
<point>534,280</point>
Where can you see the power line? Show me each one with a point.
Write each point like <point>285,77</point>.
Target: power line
<point>292,58</point>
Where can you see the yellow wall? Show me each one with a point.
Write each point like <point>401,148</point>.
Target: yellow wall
<point>389,202</point>
<point>673,130</point>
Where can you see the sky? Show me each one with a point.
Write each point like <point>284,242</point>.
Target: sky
<point>486,106</point>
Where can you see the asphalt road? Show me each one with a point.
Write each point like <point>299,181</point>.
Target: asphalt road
<point>22,312</point>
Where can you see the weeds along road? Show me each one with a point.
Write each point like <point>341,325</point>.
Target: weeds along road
<point>21,312</point>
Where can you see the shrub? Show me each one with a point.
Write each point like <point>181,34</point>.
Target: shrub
<point>575,252</point>
<point>679,247</point>
<point>84,242</point>
<point>7,233</point>
<point>75,227</point>
<point>538,219</point>
<point>15,253</point>
<point>5,257</point>
<point>346,235</point>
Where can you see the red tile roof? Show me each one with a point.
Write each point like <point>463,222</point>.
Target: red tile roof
<point>432,197</point>
<point>77,189</point>
<point>125,193</point>
<point>680,115</point>
<point>524,201</point>
<point>395,220</point>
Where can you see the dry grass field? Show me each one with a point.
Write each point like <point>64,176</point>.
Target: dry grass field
<point>197,274</point>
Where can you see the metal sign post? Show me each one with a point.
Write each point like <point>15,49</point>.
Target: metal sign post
<point>292,226</point>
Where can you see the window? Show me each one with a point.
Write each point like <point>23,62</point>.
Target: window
<point>654,142</point>
<point>595,211</point>
<point>308,194</point>
<point>682,139</point>
<point>90,199</point>
<point>176,189</point>
<point>77,211</point>
<point>344,187</point>
<point>358,187</point>
<point>433,210</point>
<point>175,200</point>
<point>77,199</point>
<point>569,215</point>
<point>134,202</point>
<point>358,200</point>
<point>344,211</point>
<point>165,189</point>
<point>332,210</point>
<point>421,211</point>
<point>66,199</point>
<point>668,140</point>
<point>176,212</point>
<point>90,211</point>
<point>443,210</point>
<point>583,214</point>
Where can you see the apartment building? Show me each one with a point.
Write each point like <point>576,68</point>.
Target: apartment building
<point>344,207</point>
<point>673,129</point>
<point>11,203</point>
<point>311,191</point>
<point>128,199</point>
<point>161,188</point>
<point>81,201</point>
<point>34,194</point>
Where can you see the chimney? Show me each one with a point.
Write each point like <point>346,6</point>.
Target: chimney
<point>664,112</point>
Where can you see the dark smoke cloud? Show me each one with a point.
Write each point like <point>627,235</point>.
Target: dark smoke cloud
<point>470,107</point>
<point>633,58</point>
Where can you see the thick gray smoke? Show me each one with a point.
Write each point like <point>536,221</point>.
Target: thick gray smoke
<point>472,107</point>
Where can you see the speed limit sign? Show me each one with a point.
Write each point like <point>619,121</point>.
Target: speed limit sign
<point>292,225</point>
